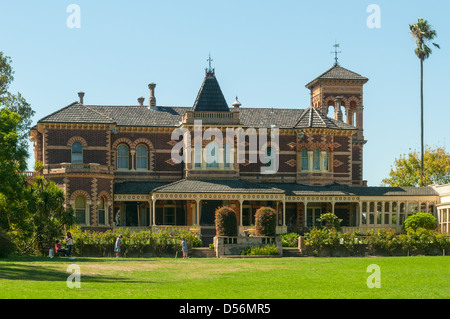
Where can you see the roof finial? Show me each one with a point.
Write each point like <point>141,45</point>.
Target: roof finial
<point>210,69</point>
<point>336,45</point>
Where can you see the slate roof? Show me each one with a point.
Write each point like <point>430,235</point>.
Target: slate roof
<point>217,186</point>
<point>171,116</point>
<point>239,186</point>
<point>210,97</point>
<point>337,72</point>
<point>294,189</point>
<point>313,118</point>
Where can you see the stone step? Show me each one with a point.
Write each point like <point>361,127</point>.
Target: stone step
<point>202,253</point>
<point>291,252</point>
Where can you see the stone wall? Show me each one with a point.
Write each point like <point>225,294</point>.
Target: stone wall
<point>233,245</point>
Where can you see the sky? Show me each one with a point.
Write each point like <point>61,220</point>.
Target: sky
<point>264,52</point>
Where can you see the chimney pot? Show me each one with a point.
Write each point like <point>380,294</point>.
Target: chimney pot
<point>152,99</point>
<point>141,100</point>
<point>81,97</point>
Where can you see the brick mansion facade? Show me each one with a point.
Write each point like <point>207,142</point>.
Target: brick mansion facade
<point>115,163</point>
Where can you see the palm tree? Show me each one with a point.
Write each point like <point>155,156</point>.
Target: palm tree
<point>422,32</point>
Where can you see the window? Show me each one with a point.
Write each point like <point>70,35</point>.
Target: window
<point>305,161</point>
<point>316,159</point>
<point>312,214</point>
<point>141,157</point>
<point>77,153</point>
<point>169,213</point>
<point>212,155</point>
<point>101,212</point>
<point>268,156</point>
<point>80,210</point>
<point>122,157</point>
<point>226,155</point>
<point>326,160</point>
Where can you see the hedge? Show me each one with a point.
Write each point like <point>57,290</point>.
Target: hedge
<point>226,221</point>
<point>329,242</point>
<point>161,243</point>
<point>265,221</point>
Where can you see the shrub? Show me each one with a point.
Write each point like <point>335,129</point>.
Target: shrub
<point>290,240</point>
<point>7,247</point>
<point>265,221</point>
<point>329,221</point>
<point>226,221</point>
<point>420,220</point>
<point>268,250</point>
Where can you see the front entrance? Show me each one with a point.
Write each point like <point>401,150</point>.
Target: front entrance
<point>208,209</point>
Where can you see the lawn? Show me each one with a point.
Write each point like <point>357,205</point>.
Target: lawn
<point>209,278</point>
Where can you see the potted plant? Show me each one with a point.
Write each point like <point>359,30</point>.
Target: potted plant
<point>194,229</point>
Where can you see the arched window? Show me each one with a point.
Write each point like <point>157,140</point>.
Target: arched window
<point>80,210</point>
<point>268,156</point>
<point>212,155</point>
<point>316,159</point>
<point>102,212</point>
<point>305,160</point>
<point>326,160</point>
<point>122,157</point>
<point>226,155</point>
<point>141,157</point>
<point>77,153</point>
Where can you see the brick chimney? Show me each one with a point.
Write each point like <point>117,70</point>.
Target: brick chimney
<point>81,97</point>
<point>141,100</point>
<point>152,99</point>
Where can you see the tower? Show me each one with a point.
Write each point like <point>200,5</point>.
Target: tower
<point>342,90</point>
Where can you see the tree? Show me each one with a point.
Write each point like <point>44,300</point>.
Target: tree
<point>14,102</point>
<point>420,220</point>
<point>13,156</point>
<point>330,221</point>
<point>406,170</point>
<point>45,217</point>
<point>423,33</point>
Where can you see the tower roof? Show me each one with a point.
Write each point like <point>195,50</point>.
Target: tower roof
<point>337,72</point>
<point>210,97</point>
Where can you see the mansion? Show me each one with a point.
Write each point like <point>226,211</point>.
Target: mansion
<point>116,167</point>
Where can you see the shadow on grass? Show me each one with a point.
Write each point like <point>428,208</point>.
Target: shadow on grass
<point>36,269</point>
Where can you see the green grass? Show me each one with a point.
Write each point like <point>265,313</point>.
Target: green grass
<point>261,278</point>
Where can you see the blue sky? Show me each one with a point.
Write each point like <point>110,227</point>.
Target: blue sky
<point>263,51</point>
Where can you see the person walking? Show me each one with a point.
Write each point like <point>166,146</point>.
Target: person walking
<point>184,248</point>
<point>117,245</point>
<point>69,244</point>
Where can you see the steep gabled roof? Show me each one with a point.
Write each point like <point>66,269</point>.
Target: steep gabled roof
<point>337,72</point>
<point>210,97</point>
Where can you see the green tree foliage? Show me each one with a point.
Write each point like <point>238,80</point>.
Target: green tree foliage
<point>423,33</point>
<point>420,220</point>
<point>329,221</point>
<point>226,221</point>
<point>12,163</point>
<point>406,170</point>
<point>265,221</point>
<point>14,102</point>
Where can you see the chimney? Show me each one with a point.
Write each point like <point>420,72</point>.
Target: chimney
<point>236,103</point>
<point>81,97</point>
<point>152,99</point>
<point>141,100</point>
